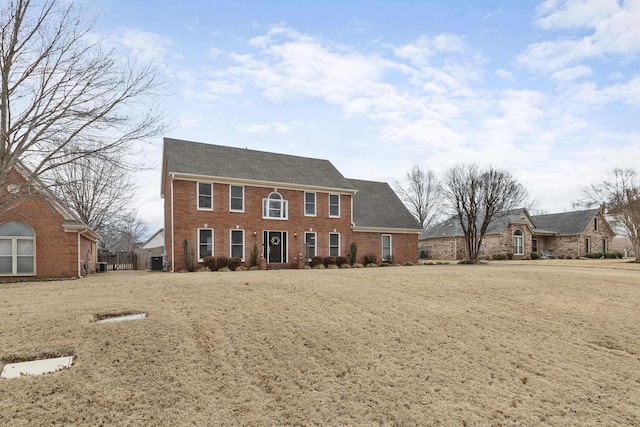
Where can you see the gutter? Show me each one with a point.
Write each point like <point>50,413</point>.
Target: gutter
<point>173,229</point>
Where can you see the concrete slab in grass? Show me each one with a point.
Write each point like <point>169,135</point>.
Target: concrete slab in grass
<point>36,367</point>
<point>123,318</point>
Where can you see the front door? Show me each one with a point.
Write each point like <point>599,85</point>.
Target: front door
<point>275,246</point>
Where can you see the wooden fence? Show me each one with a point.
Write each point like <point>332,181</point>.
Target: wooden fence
<point>119,260</point>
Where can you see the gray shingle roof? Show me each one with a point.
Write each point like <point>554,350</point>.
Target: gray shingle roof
<point>451,227</point>
<point>377,205</point>
<point>566,223</point>
<point>219,161</point>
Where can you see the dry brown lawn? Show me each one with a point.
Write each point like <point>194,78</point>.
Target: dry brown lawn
<point>537,343</point>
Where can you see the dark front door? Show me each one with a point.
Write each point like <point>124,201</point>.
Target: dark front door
<point>276,246</point>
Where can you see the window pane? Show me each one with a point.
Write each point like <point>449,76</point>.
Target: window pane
<point>25,265</point>
<point>333,239</point>
<point>15,228</point>
<point>204,189</point>
<point>310,203</point>
<point>204,196</point>
<point>237,237</point>
<point>6,265</point>
<point>5,247</point>
<point>236,191</point>
<point>25,247</point>
<point>334,205</point>
<point>206,243</point>
<point>237,203</point>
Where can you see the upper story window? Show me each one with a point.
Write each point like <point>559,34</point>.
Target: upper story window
<point>205,196</point>
<point>518,242</point>
<point>17,249</point>
<point>309,204</point>
<point>236,198</point>
<point>274,207</point>
<point>334,205</point>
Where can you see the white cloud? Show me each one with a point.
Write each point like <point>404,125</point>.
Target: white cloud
<point>573,73</point>
<point>223,87</point>
<point>506,75</point>
<point>262,129</point>
<point>144,44</point>
<point>424,48</point>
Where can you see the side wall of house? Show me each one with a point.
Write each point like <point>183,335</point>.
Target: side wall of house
<point>444,247</point>
<point>404,246</point>
<point>56,250</point>
<point>87,245</point>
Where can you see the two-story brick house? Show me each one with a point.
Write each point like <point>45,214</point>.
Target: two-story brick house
<point>568,235</point>
<point>39,236</point>
<point>223,200</point>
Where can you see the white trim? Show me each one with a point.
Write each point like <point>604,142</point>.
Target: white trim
<point>200,259</point>
<point>284,207</point>
<point>357,229</point>
<point>315,243</point>
<point>231,242</point>
<point>79,260</point>
<point>243,199</point>
<point>173,231</point>
<point>198,196</point>
<point>521,238</point>
<point>261,184</point>
<point>334,216</point>
<point>315,203</point>
<point>390,245</point>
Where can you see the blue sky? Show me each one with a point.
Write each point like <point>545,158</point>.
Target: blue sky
<point>549,90</point>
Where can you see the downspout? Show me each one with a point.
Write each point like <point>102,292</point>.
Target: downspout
<point>79,261</point>
<point>173,230</point>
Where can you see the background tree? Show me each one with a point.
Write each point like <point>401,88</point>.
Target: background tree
<point>421,195</point>
<point>62,97</point>
<point>476,195</point>
<point>621,195</point>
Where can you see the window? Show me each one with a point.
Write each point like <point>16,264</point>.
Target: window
<point>274,207</point>
<point>237,244</point>
<point>310,245</point>
<point>334,244</point>
<point>205,243</point>
<point>534,244</point>
<point>236,198</point>
<point>334,205</point>
<point>309,204</point>
<point>205,196</point>
<point>518,243</point>
<point>604,246</point>
<point>587,245</point>
<point>595,224</point>
<point>386,247</point>
<point>17,249</point>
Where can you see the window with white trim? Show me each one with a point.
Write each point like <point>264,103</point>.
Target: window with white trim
<point>236,198</point>
<point>386,247</point>
<point>518,242</point>
<point>309,204</point>
<point>309,245</point>
<point>274,207</point>
<point>17,249</point>
<point>334,244</point>
<point>205,196</point>
<point>205,243</point>
<point>334,205</point>
<point>237,244</point>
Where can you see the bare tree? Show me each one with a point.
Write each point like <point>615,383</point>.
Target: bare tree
<point>421,195</point>
<point>621,195</point>
<point>477,195</point>
<point>99,191</point>
<point>62,96</point>
<point>125,233</point>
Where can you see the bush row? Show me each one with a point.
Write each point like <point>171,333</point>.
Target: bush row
<point>220,262</point>
<point>598,255</point>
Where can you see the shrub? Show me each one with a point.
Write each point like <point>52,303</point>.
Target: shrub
<point>332,266</point>
<point>330,260</point>
<point>535,255</point>
<point>254,256</point>
<point>371,265</point>
<point>499,257</point>
<point>319,267</point>
<point>370,259</point>
<point>241,268</point>
<point>234,262</point>
<point>345,265</point>
<point>384,264</point>
<point>510,255</point>
<point>619,255</point>
<point>255,267</point>
<point>222,262</point>
<point>357,265</point>
<point>224,269</point>
<point>204,269</point>
<point>210,262</point>
<point>408,264</point>
<point>353,253</point>
<point>340,261</point>
<point>317,260</point>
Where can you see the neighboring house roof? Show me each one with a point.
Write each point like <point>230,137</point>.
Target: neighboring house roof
<point>71,222</point>
<point>155,241</point>
<point>560,224</point>
<point>208,160</point>
<point>376,205</point>
<point>566,223</point>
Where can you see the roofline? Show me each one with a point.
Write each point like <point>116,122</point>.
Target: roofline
<point>358,229</point>
<point>257,183</point>
<point>83,230</point>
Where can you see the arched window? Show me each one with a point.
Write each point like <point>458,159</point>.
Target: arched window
<point>17,249</point>
<point>518,242</point>
<point>274,207</point>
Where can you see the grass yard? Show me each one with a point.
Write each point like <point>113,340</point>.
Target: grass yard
<point>536,343</point>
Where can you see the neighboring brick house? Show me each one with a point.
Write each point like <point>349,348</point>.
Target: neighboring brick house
<point>39,236</point>
<point>515,232</point>
<point>223,200</point>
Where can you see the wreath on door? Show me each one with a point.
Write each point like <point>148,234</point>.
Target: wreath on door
<point>275,240</point>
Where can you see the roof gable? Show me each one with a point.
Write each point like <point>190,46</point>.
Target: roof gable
<point>500,221</point>
<point>566,223</point>
<point>217,161</point>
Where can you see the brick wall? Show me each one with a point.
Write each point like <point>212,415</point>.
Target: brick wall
<point>404,247</point>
